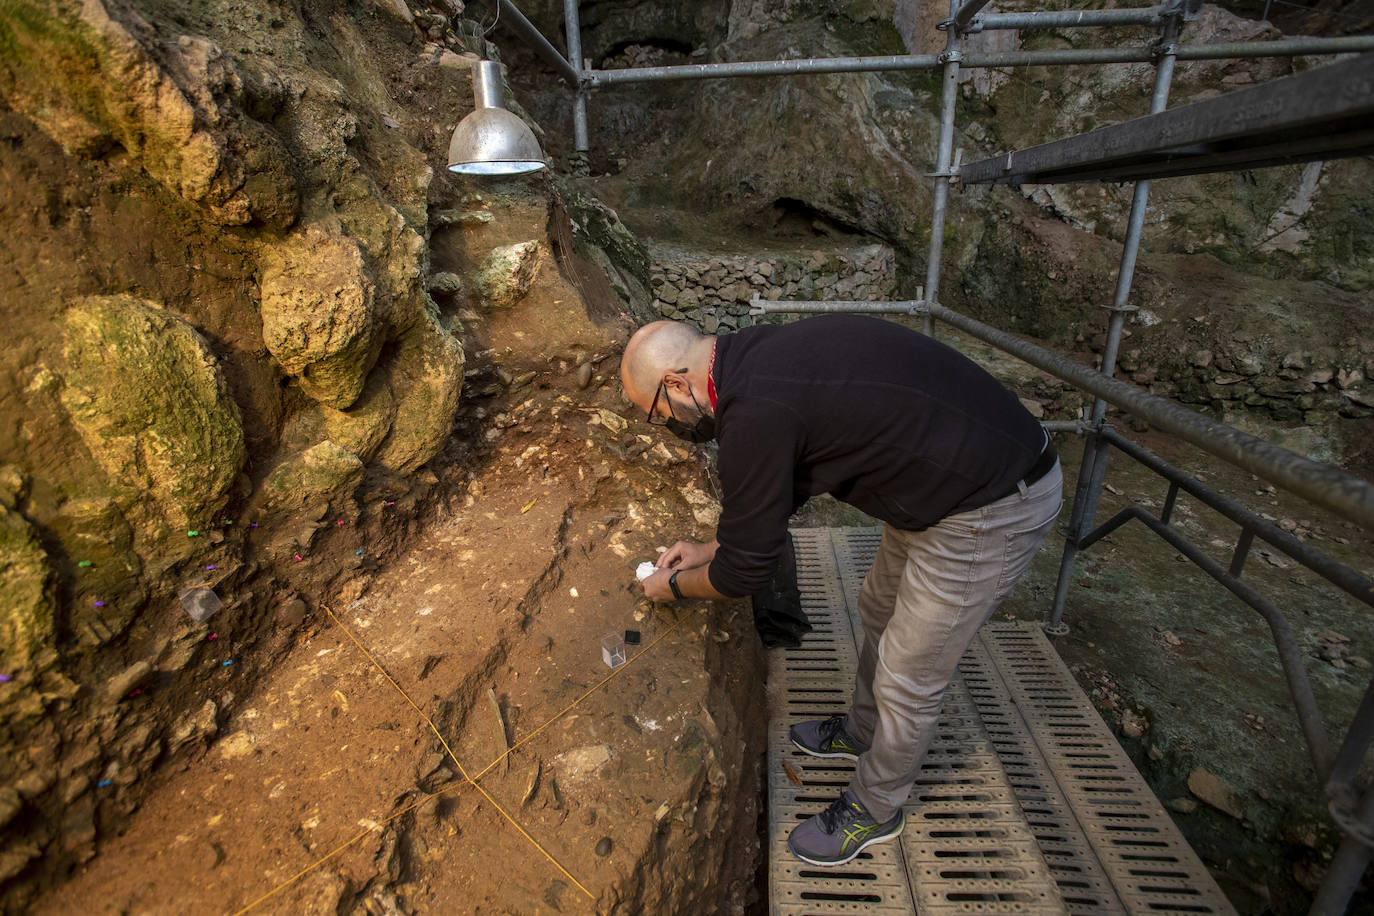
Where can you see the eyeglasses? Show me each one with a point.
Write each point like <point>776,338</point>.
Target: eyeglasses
<point>654,406</point>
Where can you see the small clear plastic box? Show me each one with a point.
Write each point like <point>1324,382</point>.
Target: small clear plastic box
<point>200,601</point>
<point>613,650</point>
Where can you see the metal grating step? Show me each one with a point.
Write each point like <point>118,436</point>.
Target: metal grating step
<point>1025,803</point>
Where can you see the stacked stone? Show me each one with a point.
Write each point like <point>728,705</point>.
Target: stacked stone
<point>1297,388</point>
<point>713,292</point>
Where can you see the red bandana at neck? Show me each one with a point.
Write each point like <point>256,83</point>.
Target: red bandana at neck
<point>711,378</point>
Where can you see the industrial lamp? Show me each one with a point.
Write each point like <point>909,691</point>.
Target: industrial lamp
<point>491,140</point>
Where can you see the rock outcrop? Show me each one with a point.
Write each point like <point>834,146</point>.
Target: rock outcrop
<point>151,404</point>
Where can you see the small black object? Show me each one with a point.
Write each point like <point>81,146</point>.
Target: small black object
<point>631,637</point>
<point>672,583</point>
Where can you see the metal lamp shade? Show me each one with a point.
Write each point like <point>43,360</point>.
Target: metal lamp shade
<point>491,140</point>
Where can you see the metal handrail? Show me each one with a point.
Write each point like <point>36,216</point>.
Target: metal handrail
<point>1289,47</point>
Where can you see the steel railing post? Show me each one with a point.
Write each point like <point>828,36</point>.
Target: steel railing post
<point>573,26</point>
<point>953,54</point>
<point>1094,466</point>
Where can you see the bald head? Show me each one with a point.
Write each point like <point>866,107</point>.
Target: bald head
<point>659,349</point>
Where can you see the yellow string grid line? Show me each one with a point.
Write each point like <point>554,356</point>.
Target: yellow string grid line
<point>467,780</point>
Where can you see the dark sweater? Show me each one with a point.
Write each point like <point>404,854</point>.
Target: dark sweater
<point>885,419</point>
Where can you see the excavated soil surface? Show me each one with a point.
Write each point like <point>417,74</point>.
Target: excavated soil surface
<point>327,791</point>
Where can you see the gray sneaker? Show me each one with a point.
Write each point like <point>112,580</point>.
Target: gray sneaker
<point>841,832</point>
<point>826,738</point>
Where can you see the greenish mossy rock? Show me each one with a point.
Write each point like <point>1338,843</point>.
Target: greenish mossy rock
<point>308,482</point>
<point>148,399</point>
<point>317,314</point>
<point>93,530</point>
<point>360,429</point>
<point>26,592</point>
<point>504,276</point>
<point>427,378</point>
<point>99,76</point>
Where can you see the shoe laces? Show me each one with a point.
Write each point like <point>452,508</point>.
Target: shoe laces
<point>830,728</point>
<point>840,812</point>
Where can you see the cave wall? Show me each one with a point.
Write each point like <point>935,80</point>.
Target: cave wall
<point>239,283</point>
<point>1278,258</point>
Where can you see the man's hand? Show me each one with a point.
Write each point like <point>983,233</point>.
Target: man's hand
<point>685,555</point>
<point>656,587</point>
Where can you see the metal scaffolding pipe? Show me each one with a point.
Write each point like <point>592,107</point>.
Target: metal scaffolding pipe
<point>1072,56</point>
<point>511,16</point>
<point>961,16</point>
<point>1347,867</point>
<point>572,25</point>
<point>1292,658</point>
<point>799,66</point>
<point>1343,494</point>
<point>1135,223</point>
<point>1066,19</point>
<point>826,306</point>
<point>944,147</point>
<point>1351,581</point>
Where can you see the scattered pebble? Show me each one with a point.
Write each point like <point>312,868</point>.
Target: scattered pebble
<point>604,846</point>
<point>573,592</point>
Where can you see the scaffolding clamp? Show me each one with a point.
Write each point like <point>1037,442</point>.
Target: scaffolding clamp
<point>950,56</point>
<point>952,173</point>
<point>1341,803</point>
<point>1055,630</point>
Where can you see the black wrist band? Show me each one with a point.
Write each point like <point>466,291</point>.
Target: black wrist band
<point>672,583</point>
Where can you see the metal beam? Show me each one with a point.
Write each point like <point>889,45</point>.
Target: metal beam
<point>511,16</point>
<point>1319,114</point>
<point>962,16</point>
<point>1066,19</point>
<point>1073,56</point>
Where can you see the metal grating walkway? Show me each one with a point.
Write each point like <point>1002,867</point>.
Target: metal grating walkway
<point>1025,804</point>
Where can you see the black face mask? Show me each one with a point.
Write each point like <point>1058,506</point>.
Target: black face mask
<point>703,430</point>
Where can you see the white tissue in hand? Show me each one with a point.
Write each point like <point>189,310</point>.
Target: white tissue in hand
<point>645,570</point>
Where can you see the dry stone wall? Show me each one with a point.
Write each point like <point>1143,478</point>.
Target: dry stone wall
<point>713,291</point>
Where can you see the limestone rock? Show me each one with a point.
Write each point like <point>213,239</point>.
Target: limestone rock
<point>308,481</point>
<point>1212,790</point>
<point>705,509</point>
<point>317,314</point>
<point>176,106</point>
<point>582,763</point>
<point>427,378</point>
<point>120,685</point>
<point>360,429</point>
<point>26,590</point>
<point>504,276</point>
<point>149,400</point>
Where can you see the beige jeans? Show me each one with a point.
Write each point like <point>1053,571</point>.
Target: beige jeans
<point>921,605</point>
